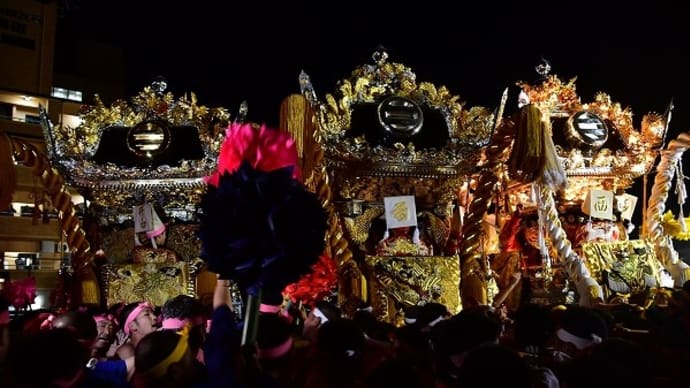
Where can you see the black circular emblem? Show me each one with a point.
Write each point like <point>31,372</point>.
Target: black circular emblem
<point>587,129</point>
<point>400,116</point>
<point>148,138</point>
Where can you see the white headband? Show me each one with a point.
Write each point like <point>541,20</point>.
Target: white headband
<point>579,342</point>
<point>319,314</point>
<point>435,321</point>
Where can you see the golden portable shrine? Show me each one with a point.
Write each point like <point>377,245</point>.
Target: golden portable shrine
<point>428,200</point>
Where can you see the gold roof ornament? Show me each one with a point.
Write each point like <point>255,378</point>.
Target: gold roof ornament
<point>154,148</point>
<point>382,122</point>
<point>596,139</point>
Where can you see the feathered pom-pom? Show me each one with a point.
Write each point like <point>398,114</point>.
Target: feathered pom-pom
<point>261,229</point>
<point>20,293</point>
<point>263,148</point>
<point>316,285</point>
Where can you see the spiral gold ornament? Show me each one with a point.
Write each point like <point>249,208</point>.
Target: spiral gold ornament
<point>472,266</point>
<point>337,246</point>
<point>665,172</point>
<point>54,184</point>
<point>85,290</point>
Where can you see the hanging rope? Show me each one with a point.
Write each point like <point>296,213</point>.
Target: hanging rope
<point>682,193</point>
<point>541,241</point>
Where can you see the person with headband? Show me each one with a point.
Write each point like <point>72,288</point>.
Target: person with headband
<point>164,359</point>
<point>99,372</point>
<point>580,329</point>
<point>185,310</point>
<point>138,320</point>
<point>106,327</point>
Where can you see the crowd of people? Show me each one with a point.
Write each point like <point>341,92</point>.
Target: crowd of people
<point>186,344</point>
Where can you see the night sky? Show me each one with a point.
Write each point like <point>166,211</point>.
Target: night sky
<point>231,52</point>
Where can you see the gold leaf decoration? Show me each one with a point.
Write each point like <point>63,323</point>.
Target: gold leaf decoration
<point>370,84</point>
<point>405,281</point>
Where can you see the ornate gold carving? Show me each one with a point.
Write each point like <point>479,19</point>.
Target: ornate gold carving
<point>553,96</point>
<point>80,143</point>
<point>633,262</point>
<point>468,130</point>
<point>402,281</point>
<point>427,191</point>
<point>358,227</point>
<point>119,188</point>
<point>634,159</point>
<point>155,283</point>
<point>402,246</point>
<point>184,240</point>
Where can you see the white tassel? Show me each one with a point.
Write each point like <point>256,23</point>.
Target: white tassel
<point>681,190</point>
<point>590,230</point>
<point>543,250</point>
<point>415,236</point>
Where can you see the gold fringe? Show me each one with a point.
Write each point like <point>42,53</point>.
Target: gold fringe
<point>8,172</point>
<point>90,294</point>
<point>526,159</point>
<point>533,156</point>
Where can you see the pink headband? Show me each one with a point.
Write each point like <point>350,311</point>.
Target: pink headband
<point>273,309</point>
<point>156,232</point>
<point>276,352</point>
<point>134,314</point>
<point>269,308</point>
<point>105,317</point>
<point>173,323</point>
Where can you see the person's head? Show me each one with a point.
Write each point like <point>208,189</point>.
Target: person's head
<point>580,329</point>
<point>81,324</point>
<point>138,319</point>
<point>50,358</point>
<point>411,314</point>
<point>453,338</point>
<point>432,313</point>
<point>273,339</point>
<point>106,328</point>
<point>533,325</point>
<point>163,358</point>
<point>180,310</point>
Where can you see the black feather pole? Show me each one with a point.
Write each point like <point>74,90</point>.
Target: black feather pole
<point>261,229</point>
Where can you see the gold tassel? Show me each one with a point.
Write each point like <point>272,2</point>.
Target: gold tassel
<point>533,156</point>
<point>89,287</point>
<point>8,172</point>
<point>525,159</point>
<point>552,173</point>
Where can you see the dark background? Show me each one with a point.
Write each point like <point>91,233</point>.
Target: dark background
<point>227,52</point>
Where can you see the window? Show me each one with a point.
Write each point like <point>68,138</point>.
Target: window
<point>73,95</point>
